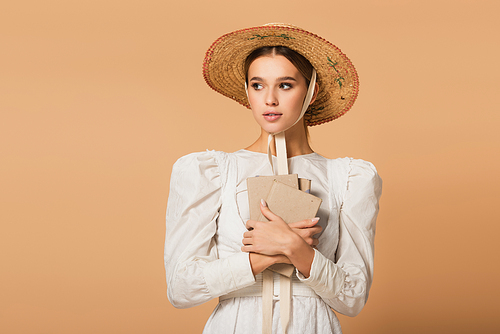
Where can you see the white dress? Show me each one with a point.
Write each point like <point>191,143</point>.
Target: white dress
<point>206,214</point>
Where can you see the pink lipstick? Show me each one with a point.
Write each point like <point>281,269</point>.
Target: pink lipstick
<point>271,116</point>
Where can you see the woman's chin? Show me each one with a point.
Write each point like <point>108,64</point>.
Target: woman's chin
<point>274,127</point>
<point>277,128</point>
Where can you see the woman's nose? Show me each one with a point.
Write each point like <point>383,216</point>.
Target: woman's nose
<point>271,99</point>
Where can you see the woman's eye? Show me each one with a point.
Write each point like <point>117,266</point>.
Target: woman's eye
<point>256,86</point>
<point>285,85</point>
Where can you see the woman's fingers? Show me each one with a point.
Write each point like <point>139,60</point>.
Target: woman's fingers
<point>267,212</point>
<point>306,229</point>
<point>250,224</point>
<point>313,230</point>
<point>308,233</point>
<point>275,236</point>
<point>246,241</point>
<point>246,249</point>
<point>268,238</point>
<point>305,223</point>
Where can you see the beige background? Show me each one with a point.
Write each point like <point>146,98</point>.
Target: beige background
<point>98,99</point>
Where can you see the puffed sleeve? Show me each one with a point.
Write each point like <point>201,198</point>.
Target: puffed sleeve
<point>194,272</point>
<point>344,284</point>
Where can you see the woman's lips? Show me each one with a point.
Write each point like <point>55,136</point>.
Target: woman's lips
<point>272,116</point>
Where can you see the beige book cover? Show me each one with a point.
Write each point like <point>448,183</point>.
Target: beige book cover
<point>259,187</point>
<point>284,198</point>
<point>290,203</point>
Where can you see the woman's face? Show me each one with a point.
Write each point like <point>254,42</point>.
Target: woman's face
<point>276,92</point>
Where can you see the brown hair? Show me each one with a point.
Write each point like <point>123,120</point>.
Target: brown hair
<point>300,62</point>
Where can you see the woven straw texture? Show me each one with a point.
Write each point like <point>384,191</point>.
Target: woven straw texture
<point>223,67</point>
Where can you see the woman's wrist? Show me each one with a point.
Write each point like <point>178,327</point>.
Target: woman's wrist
<point>300,254</point>
<point>260,262</point>
<point>294,246</point>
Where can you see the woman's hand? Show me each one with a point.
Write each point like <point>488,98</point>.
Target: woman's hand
<point>268,238</point>
<point>276,238</point>
<point>306,229</point>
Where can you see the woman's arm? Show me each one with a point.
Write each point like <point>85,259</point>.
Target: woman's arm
<point>345,283</point>
<point>278,239</point>
<point>260,262</point>
<point>195,274</point>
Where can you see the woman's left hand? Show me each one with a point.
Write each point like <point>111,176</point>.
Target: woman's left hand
<point>306,229</point>
<point>269,238</point>
<point>277,238</point>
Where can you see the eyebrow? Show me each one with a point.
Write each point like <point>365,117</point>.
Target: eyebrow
<point>286,79</point>
<point>278,79</point>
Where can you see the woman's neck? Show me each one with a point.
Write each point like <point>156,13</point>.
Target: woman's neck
<point>296,142</point>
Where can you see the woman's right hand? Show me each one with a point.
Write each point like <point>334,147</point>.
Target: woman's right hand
<point>306,229</point>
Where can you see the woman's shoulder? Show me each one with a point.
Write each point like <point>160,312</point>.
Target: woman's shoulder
<point>363,174</point>
<point>196,169</point>
<point>352,164</point>
<point>219,158</point>
<point>208,164</point>
<point>347,170</point>
<point>361,166</point>
<point>354,177</point>
<point>208,157</point>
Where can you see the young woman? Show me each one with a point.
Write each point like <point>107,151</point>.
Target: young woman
<point>290,79</point>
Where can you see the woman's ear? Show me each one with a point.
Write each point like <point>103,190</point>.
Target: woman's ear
<point>316,89</point>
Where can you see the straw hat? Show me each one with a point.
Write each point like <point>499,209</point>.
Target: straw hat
<point>223,67</point>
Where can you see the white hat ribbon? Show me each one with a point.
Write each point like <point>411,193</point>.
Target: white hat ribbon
<point>279,138</point>
<point>267,275</point>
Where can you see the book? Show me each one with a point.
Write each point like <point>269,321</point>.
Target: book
<point>258,188</point>
<point>286,196</point>
<point>290,203</point>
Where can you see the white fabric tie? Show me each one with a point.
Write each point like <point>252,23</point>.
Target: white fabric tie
<point>279,138</point>
<point>267,275</point>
